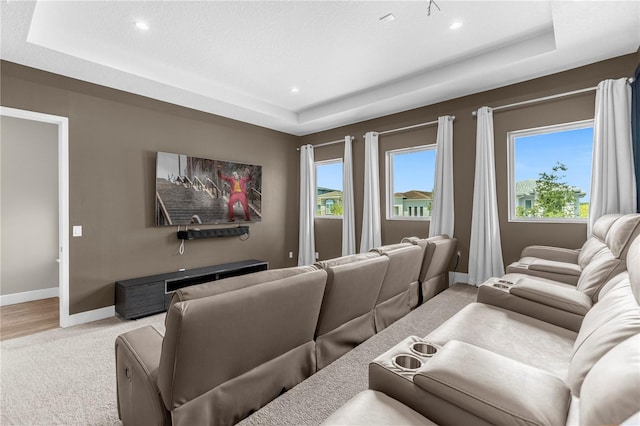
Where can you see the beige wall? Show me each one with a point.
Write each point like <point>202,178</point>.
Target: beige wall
<point>113,138</point>
<point>29,191</point>
<point>515,236</point>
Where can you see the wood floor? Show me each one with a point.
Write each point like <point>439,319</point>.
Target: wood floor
<point>27,318</point>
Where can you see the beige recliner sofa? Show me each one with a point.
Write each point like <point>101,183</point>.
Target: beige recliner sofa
<point>563,264</point>
<point>560,303</point>
<point>233,345</point>
<point>223,355</point>
<point>489,365</point>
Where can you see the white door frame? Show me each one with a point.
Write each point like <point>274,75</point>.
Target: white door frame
<point>63,199</point>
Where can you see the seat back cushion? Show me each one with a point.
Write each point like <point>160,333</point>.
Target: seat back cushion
<point>597,241</point>
<point>612,320</point>
<point>405,261</point>
<point>351,291</point>
<point>611,391</point>
<point>213,341</point>
<point>622,233</point>
<point>601,269</point>
<point>438,254</point>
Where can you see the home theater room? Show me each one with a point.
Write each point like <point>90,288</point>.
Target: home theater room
<point>305,212</point>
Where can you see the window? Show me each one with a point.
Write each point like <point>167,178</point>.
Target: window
<point>410,176</point>
<point>329,189</point>
<point>550,172</point>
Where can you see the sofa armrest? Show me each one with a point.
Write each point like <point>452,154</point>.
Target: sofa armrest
<point>137,360</point>
<point>555,267</point>
<point>558,254</point>
<point>494,387</point>
<point>556,296</point>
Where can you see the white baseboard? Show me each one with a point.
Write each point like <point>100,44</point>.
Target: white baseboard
<point>89,316</point>
<point>29,296</point>
<point>458,277</point>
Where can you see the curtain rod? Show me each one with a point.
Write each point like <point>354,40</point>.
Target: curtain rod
<point>548,98</point>
<point>329,143</point>
<point>415,126</point>
<point>545,98</point>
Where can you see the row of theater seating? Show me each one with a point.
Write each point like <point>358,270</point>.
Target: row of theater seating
<point>556,341</point>
<point>233,345</point>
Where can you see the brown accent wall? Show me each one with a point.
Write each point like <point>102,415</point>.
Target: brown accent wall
<point>113,138</point>
<point>515,236</point>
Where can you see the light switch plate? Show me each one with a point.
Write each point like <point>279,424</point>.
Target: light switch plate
<point>77,231</point>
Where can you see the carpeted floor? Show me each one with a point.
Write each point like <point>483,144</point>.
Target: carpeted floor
<point>64,376</point>
<point>67,376</point>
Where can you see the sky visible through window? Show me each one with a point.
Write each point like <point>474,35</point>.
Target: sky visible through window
<point>329,176</point>
<point>412,170</point>
<point>539,153</point>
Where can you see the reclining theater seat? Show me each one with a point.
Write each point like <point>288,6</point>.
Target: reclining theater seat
<point>222,356</point>
<point>434,272</point>
<point>559,303</point>
<point>402,274</point>
<point>562,264</point>
<point>346,315</point>
<point>526,370</point>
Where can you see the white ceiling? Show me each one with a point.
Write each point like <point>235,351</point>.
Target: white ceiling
<point>240,59</point>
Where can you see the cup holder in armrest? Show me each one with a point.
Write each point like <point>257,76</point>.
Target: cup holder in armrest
<point>406,362</point>
<point>423,349</point>
<point>503,284</point>
<point>407,357</point>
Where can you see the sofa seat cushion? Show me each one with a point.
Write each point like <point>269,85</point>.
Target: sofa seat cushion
<point>374,408</point>
<point>493,387</point>
<point>519,337</point>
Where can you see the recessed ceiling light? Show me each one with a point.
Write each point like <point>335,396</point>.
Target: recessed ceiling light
<point>142,26</point>
<point>455,25</point>
<point>387,18</point>
<point>295,89</point>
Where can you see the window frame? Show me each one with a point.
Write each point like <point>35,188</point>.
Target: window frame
<point>511,196</point>
<point>315,170</point>
<point>389,210</point>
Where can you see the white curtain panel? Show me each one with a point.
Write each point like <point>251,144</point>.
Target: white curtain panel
<point>613,183</point>
<point>485,251</point>
<point>306,246</point>
<point>442,213</point>
<point>348,214</point>
<point>371,234</point>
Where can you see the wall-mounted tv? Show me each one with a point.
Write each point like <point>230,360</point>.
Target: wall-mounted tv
<point>193,190</point>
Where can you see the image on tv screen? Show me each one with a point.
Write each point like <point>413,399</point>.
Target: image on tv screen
<point>193,190</point>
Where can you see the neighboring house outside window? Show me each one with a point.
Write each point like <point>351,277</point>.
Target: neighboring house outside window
<point>412,203</point>
<point>329,202</point>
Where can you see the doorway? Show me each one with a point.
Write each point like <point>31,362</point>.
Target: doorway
<point>62,124</point>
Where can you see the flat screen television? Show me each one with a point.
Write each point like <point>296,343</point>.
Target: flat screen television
<point>193,190</point>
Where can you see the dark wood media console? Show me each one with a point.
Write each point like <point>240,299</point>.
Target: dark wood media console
<point>139,297</point>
